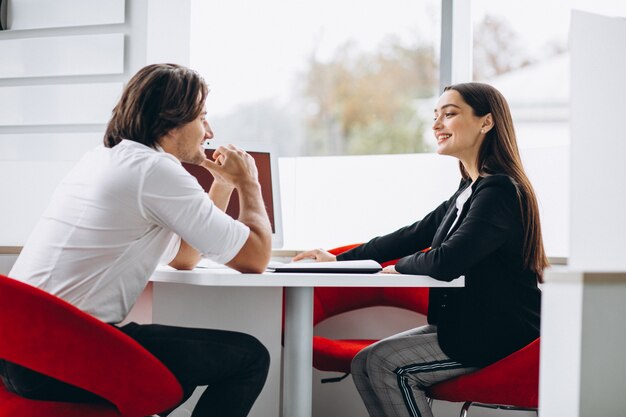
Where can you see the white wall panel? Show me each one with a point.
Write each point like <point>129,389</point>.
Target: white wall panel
<point>35,14</point>
<point>58,104</point>
<point>47,146</point>
<point>62,55</point>
<point>26,188</point>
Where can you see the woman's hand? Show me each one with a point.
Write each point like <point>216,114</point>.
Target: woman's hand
<point>391,269</point>
<point>319,255</point>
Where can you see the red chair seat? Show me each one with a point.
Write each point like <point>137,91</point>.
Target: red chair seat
<point>336,355</point>
<point>12,405</point>
<point>512,381</point>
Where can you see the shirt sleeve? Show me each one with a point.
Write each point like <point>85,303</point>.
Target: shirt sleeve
<point>172,198</point>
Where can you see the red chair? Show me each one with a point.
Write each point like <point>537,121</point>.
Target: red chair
<point>336,355</point>
<point>50,336</point>
<point>512,383</point>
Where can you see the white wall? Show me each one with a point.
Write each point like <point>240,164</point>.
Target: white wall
<point>62,70</point>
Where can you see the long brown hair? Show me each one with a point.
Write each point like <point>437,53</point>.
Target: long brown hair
<point>159,98</point>
<point>499,154</point>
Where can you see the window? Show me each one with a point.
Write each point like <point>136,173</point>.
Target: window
<point>319,77</point>
<point>521,48</point>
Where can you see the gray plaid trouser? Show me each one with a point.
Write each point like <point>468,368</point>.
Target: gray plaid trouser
<point>392,374</point>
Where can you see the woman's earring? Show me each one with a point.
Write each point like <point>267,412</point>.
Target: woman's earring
<point>482,130</point>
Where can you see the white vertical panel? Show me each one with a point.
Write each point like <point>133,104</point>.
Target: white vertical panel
<point>603,369</point>
<point>598,143</point>
<point>62,55</point>
<point>35,14</point>
<point>561,332</point>
<point>58,104</point>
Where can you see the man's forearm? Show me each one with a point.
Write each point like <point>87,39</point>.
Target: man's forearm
<point>252,211</point>
<point>187,257</point>
<point>255,254</point>
<point>220,195</point>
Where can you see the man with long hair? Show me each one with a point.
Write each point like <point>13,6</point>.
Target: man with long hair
<point>129,205</point>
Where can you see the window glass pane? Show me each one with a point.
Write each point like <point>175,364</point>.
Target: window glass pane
<point>319,77</point>
<point>522,49</point>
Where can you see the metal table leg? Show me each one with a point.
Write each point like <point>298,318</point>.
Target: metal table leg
<point>298,358</point>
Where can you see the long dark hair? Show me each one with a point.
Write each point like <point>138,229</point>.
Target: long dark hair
<point>159,98</point>
<point>499,154</point>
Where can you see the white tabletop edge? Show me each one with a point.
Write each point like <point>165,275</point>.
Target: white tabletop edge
<point>231,278</point>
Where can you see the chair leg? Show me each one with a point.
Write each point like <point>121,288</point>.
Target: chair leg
<point>465,409</point>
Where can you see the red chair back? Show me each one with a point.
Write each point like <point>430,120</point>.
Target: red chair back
<point>336,355</point>
<point>50,336</point>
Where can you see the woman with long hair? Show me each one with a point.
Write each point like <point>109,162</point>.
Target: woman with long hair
<point>488,231</point>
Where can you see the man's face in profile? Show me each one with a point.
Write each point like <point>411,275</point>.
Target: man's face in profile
<point>188,140</point>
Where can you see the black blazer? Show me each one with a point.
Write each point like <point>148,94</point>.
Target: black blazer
<point>498,310</point>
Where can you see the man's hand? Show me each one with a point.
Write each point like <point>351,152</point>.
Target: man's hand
<point>232,166</point>
<point>235,168</point>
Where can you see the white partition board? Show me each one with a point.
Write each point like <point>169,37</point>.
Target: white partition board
<point>561,332</point>
<point>598,144</point>
<point>58,104</point>
<point>37,14</point>
<point>331,201</point>
<point>62,55</point>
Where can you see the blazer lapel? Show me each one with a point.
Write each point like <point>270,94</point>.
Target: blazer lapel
<point>444,228</point>
<point>442,231</point>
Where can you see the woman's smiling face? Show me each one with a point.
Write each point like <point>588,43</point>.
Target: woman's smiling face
<point>459,132</point>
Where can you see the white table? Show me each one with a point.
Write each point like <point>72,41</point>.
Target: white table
<point>298,353</point>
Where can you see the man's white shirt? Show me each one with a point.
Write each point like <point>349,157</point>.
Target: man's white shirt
<point>118,214</point>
